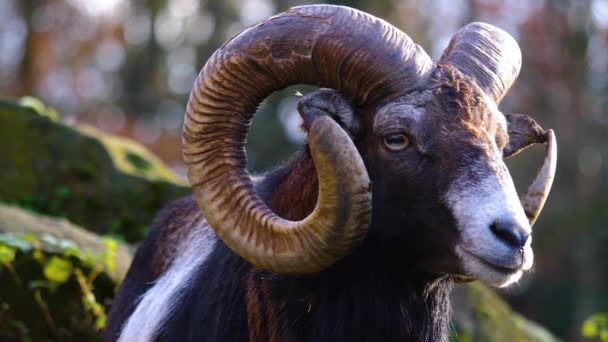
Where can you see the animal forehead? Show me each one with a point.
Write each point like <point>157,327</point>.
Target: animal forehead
<point>458,99</point>
<point>428,112</point>
<point>398,114</point>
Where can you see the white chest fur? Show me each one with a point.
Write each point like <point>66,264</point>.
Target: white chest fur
<point>156,305</point>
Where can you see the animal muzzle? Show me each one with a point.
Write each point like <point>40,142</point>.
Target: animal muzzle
<point>495,226</point>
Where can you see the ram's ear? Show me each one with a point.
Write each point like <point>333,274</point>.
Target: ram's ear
<point>328,102</point>
<point>523,132</point>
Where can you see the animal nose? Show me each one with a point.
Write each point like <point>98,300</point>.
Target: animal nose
<point>510,232</point>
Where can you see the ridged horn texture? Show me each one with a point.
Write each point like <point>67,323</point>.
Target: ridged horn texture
<point>538,191</point>
<point>364,58</point>
<point>487,54</point>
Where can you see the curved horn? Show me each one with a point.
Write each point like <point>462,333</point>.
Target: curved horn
<point>362,57</point>
<point>487,54</point>
<point>538,191</point>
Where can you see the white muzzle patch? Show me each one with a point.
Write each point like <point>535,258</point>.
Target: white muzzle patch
<point>476,205</point>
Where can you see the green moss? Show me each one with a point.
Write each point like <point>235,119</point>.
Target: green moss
<point>138,162</point>
<point>39,107</point>
<point>80,173</point>
<point>131,157</point>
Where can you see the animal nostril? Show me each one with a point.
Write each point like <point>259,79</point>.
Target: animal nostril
<point>510,232</point>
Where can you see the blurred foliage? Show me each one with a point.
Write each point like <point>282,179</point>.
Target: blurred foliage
<point>127,66</point>
<point>480,315</point>
<point>596,327</point>
<point>56,290</point>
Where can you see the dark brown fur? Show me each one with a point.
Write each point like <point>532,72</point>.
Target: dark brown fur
<point>295,197</point>
<point>461,103</point>
<point>183,220</point>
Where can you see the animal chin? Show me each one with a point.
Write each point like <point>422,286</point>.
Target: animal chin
<point>492,272</point>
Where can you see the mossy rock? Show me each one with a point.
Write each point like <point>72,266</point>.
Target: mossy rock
<point>481,315</point>
<point>57,280</point>
<point>15,221</point>
<point>109,185</point>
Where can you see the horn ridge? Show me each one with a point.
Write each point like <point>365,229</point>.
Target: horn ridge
<point>487,54</point>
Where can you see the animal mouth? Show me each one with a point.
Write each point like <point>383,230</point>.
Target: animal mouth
<point>505,267</point>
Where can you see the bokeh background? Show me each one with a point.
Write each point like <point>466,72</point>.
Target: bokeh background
<point>127,66</point>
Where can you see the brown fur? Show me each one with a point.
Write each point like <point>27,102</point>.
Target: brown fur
<point>293,199</point>
<point>462,106</point>
<point>182,220</point>
<point>296,196</point>
<point>261,315</point>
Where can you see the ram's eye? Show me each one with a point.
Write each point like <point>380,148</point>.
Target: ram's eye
<point>396,141</point>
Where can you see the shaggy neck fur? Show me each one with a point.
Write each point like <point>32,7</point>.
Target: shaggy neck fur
<point>354,301</point>
<point>370,295</point>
